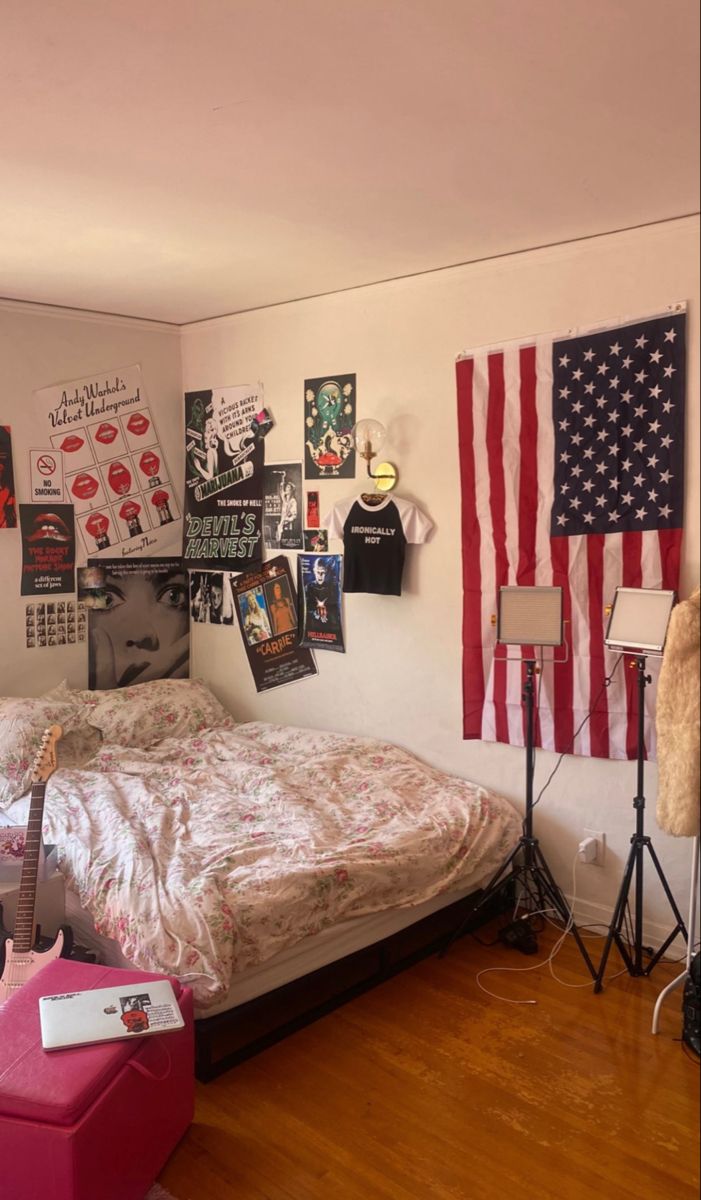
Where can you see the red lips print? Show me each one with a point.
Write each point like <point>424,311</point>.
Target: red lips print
<point>160,498</point>
<point>106,433</point>
<point>149,463</point>
<point>97,525</point>
<point>71,443</point>
<point>119,478</point>
<point>84,486</point>
<point>129,510</point>
<point>138,424</point>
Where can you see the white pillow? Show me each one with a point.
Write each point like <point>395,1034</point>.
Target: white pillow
<point>146,713</point>
<point>23,722</point>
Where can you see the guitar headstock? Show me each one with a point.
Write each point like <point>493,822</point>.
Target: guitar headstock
<point>45,761</point>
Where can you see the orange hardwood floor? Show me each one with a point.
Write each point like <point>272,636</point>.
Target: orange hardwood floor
<point>427,1089</point>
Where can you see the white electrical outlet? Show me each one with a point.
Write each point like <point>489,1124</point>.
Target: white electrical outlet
<point>598,860</point>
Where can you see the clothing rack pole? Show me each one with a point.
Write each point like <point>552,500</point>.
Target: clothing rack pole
<point>691,927</point>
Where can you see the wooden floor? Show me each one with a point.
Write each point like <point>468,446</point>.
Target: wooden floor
<point>427,1089</point>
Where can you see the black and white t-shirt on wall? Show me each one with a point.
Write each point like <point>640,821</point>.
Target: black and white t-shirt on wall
<point>374,541</point>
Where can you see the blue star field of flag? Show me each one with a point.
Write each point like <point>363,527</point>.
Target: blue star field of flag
<point>618,413</point>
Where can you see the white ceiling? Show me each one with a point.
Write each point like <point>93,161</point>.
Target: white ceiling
<point>180,159</point>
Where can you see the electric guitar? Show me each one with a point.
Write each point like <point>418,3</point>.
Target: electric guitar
<point>21,962</point>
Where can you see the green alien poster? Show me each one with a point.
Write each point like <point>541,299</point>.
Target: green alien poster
<point>329,417</point>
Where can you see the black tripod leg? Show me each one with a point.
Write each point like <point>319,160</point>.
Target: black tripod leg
<point>566,913</point>
<point>680,927</point>
<point>616,922</point>
<point>494,886</point>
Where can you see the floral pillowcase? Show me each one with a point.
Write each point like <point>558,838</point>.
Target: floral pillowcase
<point>23,722</point>
<point>146,713</point>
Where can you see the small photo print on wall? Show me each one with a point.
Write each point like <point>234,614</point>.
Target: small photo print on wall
<point>8,509</point>
<point>319,584</point>
<point>282,506</point>
<point>58,623</point>
<point>144,631</point>
<point>316,540</point>
<point>329,417</point>
<point>212,597</point>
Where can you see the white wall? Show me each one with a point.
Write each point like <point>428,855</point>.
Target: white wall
<point>38,347</point>
<point>400,678</point>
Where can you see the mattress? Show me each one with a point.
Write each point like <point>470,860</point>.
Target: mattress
<point>306,956</point>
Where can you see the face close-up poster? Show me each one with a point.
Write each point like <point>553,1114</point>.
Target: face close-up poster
<point>224,455</point>
<point>48,549</point>
<point>142,631</point>
<point>266,607</point>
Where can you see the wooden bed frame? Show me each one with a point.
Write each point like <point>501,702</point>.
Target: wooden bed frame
<point>230,1037</point>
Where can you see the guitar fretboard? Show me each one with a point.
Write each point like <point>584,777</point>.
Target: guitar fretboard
<point>26,902</point>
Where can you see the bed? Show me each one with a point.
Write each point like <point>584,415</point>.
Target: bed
<point>274,869</point>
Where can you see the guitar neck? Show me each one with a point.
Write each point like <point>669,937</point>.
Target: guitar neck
<point>24,920</point>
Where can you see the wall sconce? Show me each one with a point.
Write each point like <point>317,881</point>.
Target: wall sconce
<point>368,437</point>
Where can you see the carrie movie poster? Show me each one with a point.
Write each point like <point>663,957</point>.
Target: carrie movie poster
<point>321,614</point>
<point>266,607</point>
<point>142,631</point>
<point>8,512</point>
<point>329,417</point>
<point>224,455</point>
<point>115,470</point>
<point>48,549</point>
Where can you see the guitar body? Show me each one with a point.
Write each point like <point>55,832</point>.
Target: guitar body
<point>20,968</point>
<point>21,960</point>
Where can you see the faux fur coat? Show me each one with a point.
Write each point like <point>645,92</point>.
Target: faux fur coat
<point>678,723</point>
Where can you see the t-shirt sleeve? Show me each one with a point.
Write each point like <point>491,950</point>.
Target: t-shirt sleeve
<point>415,523</point>
<point>336,518</point>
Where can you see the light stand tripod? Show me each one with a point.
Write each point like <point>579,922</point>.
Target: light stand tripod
<point>633,956</point>
<point>532,871</point>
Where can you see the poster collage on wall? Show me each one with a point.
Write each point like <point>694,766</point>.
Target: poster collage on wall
<point>149,559</point>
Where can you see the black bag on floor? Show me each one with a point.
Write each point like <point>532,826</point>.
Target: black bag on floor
<point>691,1007</point>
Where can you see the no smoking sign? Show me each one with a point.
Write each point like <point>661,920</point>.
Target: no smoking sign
<point>46,475</point>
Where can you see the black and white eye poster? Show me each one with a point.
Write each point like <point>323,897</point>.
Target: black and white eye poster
<point>329,417</point>
<point>282,506</point>
<point>319,582</point>
<point>48,549</point>
<point>143,630</point>
<point>266,607</point>
<point>8,511</point>
<point>224,455</point>
<point>115,471</point>
<point>212,597</point>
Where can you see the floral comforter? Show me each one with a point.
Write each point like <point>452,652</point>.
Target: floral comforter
<point>205,856</point>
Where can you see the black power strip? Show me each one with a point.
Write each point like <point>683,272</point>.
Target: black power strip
<point>519,936</point>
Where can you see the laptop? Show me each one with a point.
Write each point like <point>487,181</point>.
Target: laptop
<point>107,1014</point>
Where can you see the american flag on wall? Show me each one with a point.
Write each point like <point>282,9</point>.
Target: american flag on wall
<point>571,460</point>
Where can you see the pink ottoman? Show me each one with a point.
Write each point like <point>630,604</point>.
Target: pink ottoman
<point>96,1122</point>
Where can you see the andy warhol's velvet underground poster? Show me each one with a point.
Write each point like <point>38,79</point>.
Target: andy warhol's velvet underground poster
<point>329,417</point>
<point>115,471</point>
<point>142,630</point>
<point>224,455</point>
<point>48,549</point>
<point>266,607</point>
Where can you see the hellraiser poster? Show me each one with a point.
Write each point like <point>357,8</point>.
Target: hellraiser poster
<point>224,456</point>
<point>320,601</point>
<point>329,417</point>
